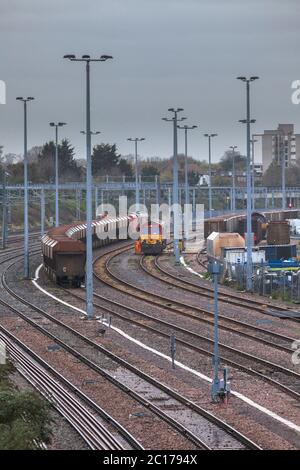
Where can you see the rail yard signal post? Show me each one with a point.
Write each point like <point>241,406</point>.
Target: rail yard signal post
<point>220,388</point>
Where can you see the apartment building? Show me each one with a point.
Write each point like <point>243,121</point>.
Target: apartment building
<point>278,144</point>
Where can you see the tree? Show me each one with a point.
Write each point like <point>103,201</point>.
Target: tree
<point>193,178</point>
<point>11,158</point>
<point>125,167</point>
<point>24,416</point>
<point>34,152</point>
<point>149,172</point>
<point>273,175</point>
<point>104,159</point>
<point>68,168</point>
<point>227,160</point>
<point>24,420</point>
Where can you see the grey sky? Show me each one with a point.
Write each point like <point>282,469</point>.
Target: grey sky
<point>183,53</point>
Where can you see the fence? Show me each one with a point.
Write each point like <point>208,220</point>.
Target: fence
<point>278,284</point>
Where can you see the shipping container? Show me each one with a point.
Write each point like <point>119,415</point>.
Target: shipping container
<point>278,233</point>
<point>216,241</point>
<point>233,255</point>
<point>279,252</point>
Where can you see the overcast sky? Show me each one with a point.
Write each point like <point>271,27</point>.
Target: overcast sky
<point>167,53</point>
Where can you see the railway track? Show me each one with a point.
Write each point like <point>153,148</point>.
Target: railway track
<point>282,342</point>
<point>84,424</point>
<point>163,394</point>
<point>82,419</point>
<point>277,375</point>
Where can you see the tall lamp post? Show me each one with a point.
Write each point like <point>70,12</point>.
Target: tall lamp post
<point>26,225</point>
<point>283,169</point>
<point>96,194</point>
<point>248,122</point>
<point>233,147</point>
<point>186,183</point>
<point>253,141</point>
<point>86,59</point>
<point>209,171</point>
<point>137,186</point>
<point>4,209</point>
<point>59,124</point>
<point>175,121</point>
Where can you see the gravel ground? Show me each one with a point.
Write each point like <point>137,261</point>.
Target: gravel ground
<point>146,427</point>
<point>271,434</point>
<point>150,285</point>
<point>248,315</point>
<point>152,431</point>
<point>190,358</point>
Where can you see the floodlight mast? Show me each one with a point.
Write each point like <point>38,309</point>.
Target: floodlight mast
<point>89,241</point>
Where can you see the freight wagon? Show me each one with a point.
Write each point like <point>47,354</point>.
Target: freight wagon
<point>63,248</point>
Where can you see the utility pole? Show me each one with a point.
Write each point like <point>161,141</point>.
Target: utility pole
<point>209,172</point>
<point>26,190</point>
<point>89,207</point>
<point>175,121</point>
<point>248,122</point>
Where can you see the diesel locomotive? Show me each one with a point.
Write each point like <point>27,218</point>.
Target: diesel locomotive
<point>152,238</point>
